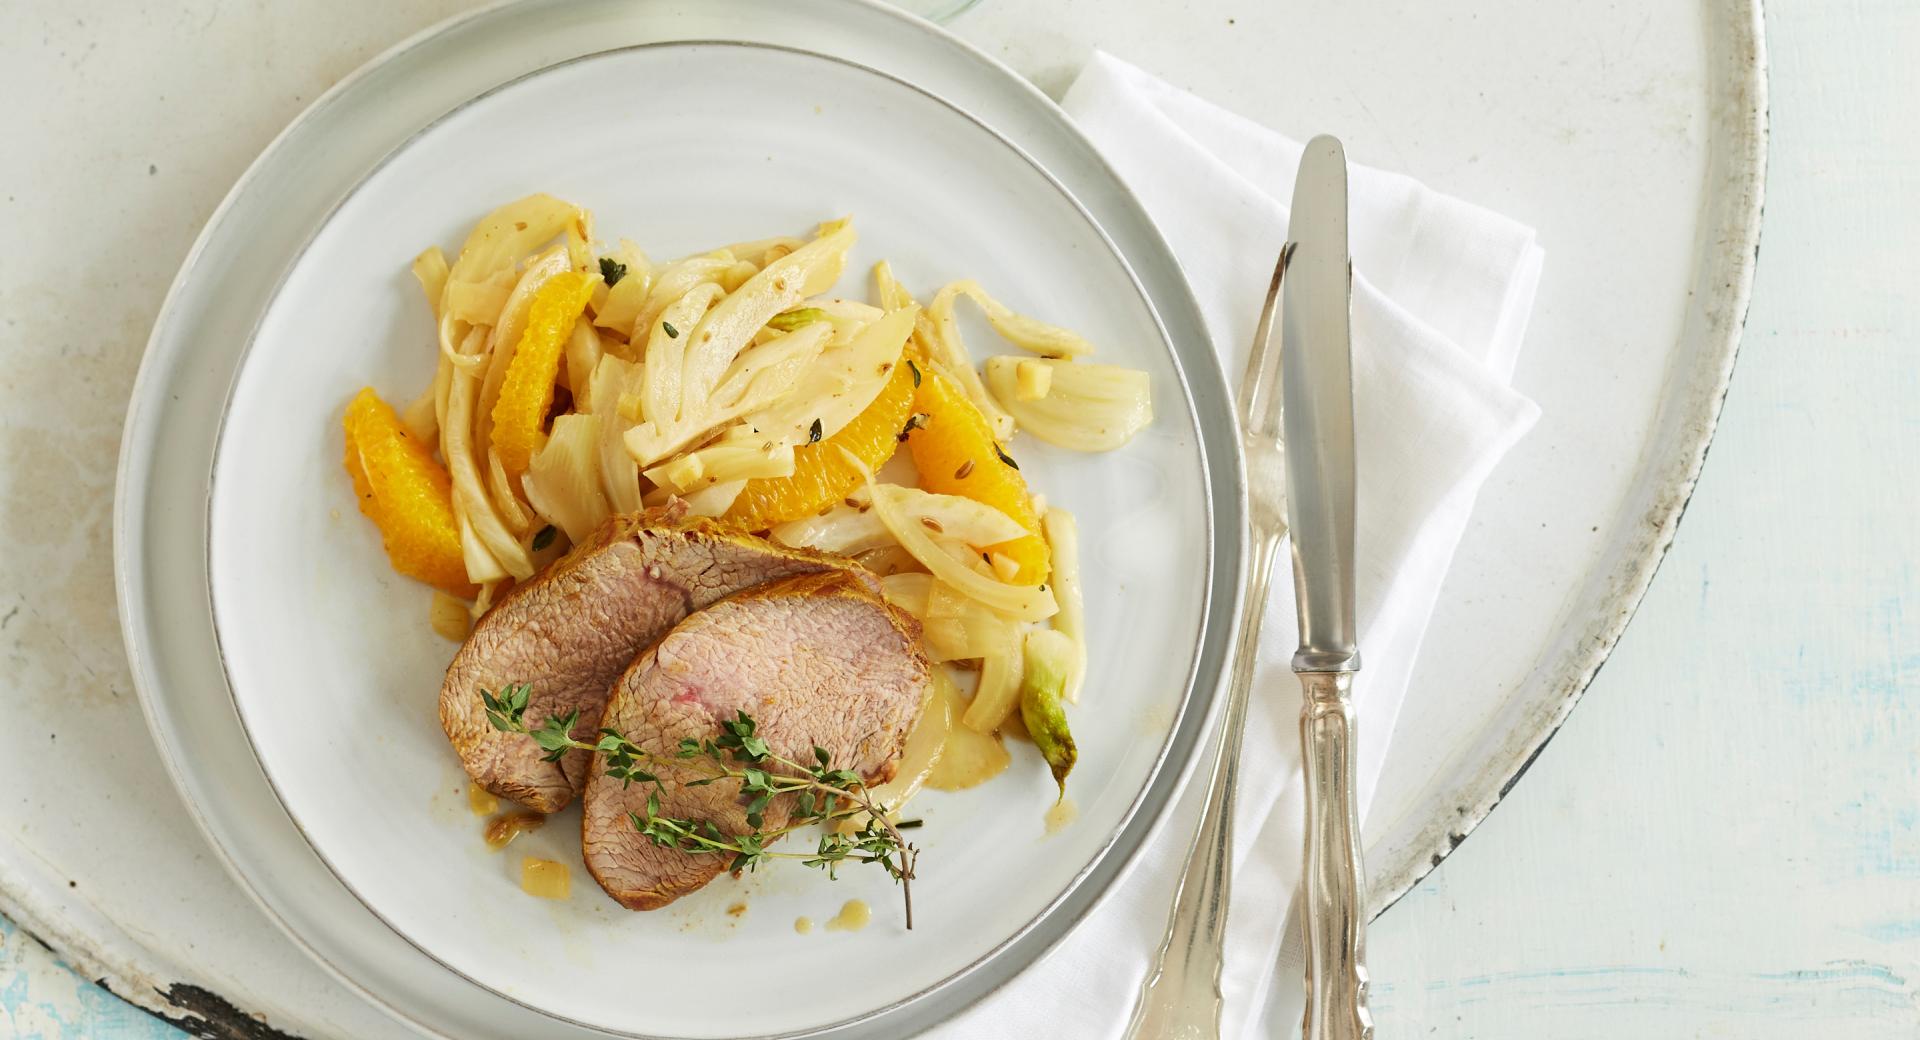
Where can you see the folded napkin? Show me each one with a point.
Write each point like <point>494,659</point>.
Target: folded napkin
<point>1442,292</point>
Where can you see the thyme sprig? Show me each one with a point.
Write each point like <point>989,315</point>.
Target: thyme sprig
<point>818,792</point>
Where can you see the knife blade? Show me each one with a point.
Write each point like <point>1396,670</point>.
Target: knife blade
<point>1316,395</point>
<point>1316,377</point>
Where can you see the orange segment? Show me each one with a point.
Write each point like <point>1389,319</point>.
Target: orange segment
<point>956,455</point>
<point>526,392</point>
<point>406,493</point>
<point>821,473</point>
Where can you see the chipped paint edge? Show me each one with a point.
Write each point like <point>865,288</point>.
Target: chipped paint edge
<point>1729,251</point>
<point>59,917</point>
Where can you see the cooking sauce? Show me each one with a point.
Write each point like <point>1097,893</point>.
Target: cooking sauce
<point>1063,812</point>
<point>971,759</point>
<point>481,800</point>
<point>545,878</point>
<point>803,925</point>
<point>965,758</point>
<point>508,826</point>
<point>449,617</point>
<point>852,917</point>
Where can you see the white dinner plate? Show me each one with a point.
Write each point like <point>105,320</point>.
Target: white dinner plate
<point>334,672</point>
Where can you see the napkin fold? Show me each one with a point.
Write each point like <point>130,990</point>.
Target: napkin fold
<point>1442,293</point>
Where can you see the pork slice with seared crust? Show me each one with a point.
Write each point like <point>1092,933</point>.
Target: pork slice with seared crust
<point>817,661</point>
<point>571,631</point>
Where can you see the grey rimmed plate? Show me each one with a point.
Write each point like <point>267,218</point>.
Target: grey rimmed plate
<point>300,723</point>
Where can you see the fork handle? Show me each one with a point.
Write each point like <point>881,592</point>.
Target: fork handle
<point>1335,905</point>
<point>1180,999</point>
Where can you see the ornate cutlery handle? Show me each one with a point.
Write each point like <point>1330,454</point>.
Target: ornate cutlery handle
<point>1335,886</point>
<point>1180,999</point>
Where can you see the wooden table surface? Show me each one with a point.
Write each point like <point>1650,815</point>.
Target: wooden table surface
<point>1724,840</point>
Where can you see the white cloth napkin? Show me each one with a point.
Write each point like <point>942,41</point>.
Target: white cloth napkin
<point>1442,292</point>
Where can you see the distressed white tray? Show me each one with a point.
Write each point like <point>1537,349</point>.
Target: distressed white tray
<point>1632,137</point>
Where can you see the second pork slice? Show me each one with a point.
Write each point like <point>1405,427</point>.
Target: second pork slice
<point>817,661</point>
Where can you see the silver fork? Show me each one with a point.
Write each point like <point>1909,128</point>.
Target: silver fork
<point>1180,999</point>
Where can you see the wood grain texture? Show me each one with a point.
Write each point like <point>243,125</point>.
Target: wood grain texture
<point>1722,841</point>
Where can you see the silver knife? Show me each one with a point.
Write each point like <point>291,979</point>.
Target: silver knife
<point>1316,386</point>
<point>1304,334</point>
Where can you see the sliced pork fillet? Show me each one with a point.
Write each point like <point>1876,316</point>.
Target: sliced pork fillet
<point>572,630</point>
<point>819,661</point>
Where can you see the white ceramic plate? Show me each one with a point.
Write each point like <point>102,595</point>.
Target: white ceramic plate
<point>335,672</point>
<point>220,301</point>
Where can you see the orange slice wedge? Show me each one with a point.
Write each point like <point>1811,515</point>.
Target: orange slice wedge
<point>406,493</point>
<point>822,475</point>
<point>526,392</point>
<point>955,453</point>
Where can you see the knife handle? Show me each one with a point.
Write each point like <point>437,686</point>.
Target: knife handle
<point>1335,904</point>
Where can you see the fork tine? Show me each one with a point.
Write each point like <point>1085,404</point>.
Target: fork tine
<point>1259,398</point>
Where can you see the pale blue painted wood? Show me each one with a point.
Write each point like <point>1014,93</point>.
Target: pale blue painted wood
<point>42,999</point>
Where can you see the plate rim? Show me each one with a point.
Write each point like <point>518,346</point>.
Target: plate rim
<point>1200,693</point>
<point>1198,366</point>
